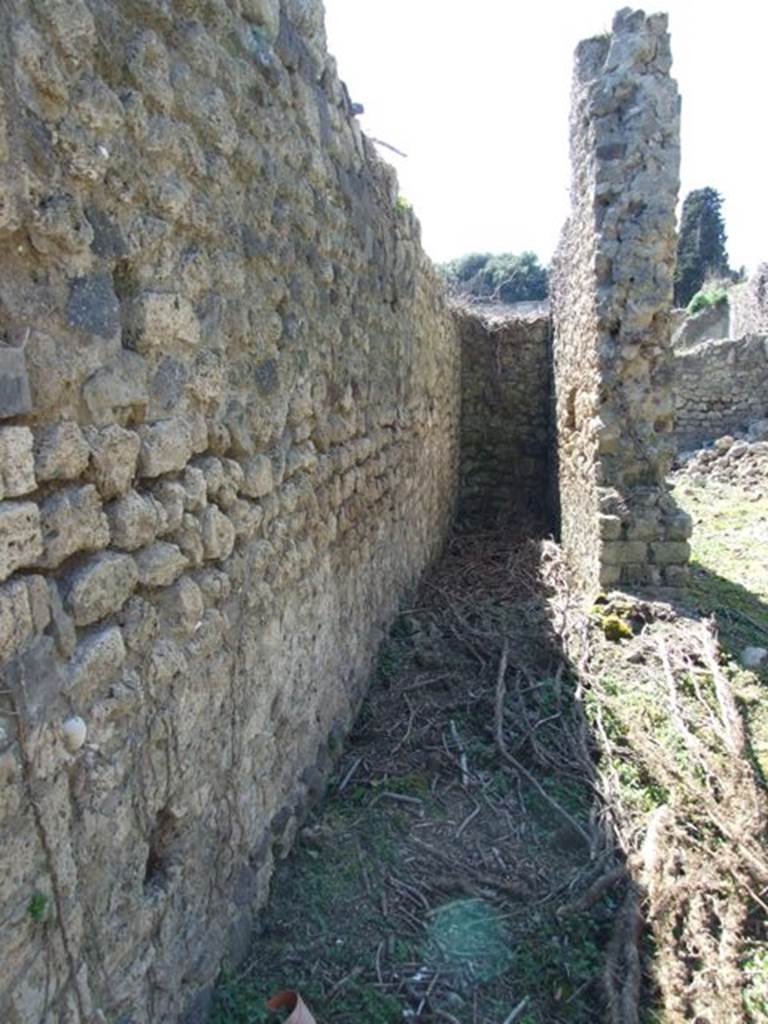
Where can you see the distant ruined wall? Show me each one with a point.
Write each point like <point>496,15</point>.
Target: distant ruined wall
<point>720,388</point>
<point>611,296</point>
<point>749,305</point>
<point>229,396</point>
<point>505,415</point>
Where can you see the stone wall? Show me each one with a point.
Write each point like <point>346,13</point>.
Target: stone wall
<point>749,305</point>
<point>229,394</point>
<point>720,388</point>
<point>611,297</point>
<point>505,415</point>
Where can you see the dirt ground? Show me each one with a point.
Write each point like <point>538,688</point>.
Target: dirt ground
<point>545,813</point>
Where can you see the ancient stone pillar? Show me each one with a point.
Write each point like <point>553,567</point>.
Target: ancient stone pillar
<point>611,297</point>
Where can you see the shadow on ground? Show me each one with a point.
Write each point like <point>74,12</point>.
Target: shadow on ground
<point>439,880</point>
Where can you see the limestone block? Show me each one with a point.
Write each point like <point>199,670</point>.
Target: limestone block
<point>120,388</point>
<point>21,541</point>
<point>17,466</point>
<point>93,306</point>
<point>101,587</point>
<point>96,661</point>
<point>166,446</point>
<point>246,517</point>
<point>198,431</point>
<point>15,393</point>
<point>218,534</point>
<point>160,564</point>
<point>621,552</point>
<point>163,321</point>
<point>72,520</point>
<point>114,456</point>
<point>61,452</point>
<point>258,478</point>
<point>670,551</point>
<point>133,521</point>
<point>189,537</point>
<point>170,494</point>
<point>182,605</point>
<point>16,625</point>
<point>213,471</point>
<point>195,489</point>
<point>680,526</point>
<point>59,227</point>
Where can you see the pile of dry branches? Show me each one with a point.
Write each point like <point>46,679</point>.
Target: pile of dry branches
<point>685,803</point>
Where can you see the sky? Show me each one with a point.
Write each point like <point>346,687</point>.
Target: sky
<point>477,96</point>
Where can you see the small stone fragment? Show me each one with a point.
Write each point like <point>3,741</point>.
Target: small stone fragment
<point>754,658</point>
<point>74,732</point>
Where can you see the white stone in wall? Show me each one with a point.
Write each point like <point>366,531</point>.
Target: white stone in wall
<point>159,320</point>
<point>17,466</point>
<point>21,540</point>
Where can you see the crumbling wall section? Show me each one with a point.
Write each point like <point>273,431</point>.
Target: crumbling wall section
<point>229,392</point>
<point>505,416</point>
<point>749,305</point>
<point>720,388</point>
<point>611,297</point>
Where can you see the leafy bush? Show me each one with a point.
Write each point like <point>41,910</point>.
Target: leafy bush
<point>505,277</point>
<point>707,297</point>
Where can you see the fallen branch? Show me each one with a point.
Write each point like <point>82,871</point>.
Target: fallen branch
<point>501,744</point>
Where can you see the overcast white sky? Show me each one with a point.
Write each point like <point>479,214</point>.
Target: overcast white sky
<point>477,95</point>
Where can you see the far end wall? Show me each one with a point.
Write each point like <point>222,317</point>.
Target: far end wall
<point>505,416</point>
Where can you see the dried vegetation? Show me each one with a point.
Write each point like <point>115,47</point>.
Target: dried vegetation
<point>532,822</point>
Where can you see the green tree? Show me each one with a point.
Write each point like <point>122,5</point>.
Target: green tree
<point>701,249</point>
<point>505,277</point>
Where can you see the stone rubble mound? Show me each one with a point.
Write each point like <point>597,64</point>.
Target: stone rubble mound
<point>740,461</point>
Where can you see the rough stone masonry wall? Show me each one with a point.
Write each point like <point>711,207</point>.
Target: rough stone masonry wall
<point>721,387</point>
<point>612,292</point>
<point>505,415</point>
<point>228,440</point>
